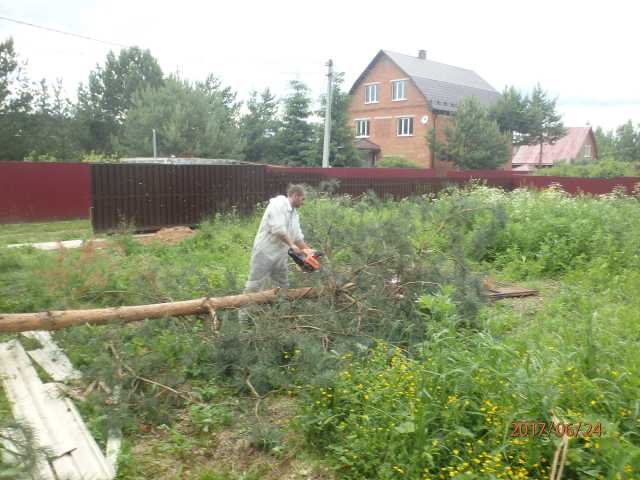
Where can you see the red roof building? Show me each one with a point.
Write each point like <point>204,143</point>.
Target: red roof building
<point>579,144</point>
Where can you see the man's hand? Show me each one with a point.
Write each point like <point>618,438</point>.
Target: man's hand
<point>297,250</point>
<point>309,252</point>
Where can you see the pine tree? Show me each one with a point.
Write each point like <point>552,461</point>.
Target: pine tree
<point>474,141</point>
<point>510,112</point>
<point>627,143</point>
<point>16,98</point>
<point>544,124</point>
<point>605,142</point>
<point>196,119</point>
<point>8,67</point>
<point>294,141</point>
<point>260,126</point>
<point>109,94</point>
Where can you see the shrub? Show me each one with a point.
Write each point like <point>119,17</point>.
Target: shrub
<point>605,168</point>
<point>396,162</point>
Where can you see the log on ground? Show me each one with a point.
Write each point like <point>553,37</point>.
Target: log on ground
<point>56,320</point>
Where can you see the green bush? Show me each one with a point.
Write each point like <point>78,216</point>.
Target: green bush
<point>605,168</point>
<point>396,162</point>
<point>448,405</point>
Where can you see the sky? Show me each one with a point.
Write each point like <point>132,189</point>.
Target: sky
<point>584,53</point>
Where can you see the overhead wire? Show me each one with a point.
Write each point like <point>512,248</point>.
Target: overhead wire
<point>62,32</point>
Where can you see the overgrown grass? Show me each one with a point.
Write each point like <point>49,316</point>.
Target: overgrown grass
<point>413,375</point>
<point>11,233</point>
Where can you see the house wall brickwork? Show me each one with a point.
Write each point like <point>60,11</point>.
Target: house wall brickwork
<point>383,116</point>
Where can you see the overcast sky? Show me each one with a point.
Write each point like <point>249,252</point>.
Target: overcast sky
<point>583,52</point>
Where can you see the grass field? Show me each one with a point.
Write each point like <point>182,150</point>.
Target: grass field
<point>44,232</point>
<point>414,375</point>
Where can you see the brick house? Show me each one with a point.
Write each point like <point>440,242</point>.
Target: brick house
<point>578,145</point>
<point>398,98</point>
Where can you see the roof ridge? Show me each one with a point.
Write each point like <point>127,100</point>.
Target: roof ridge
<point>492,90</point>
<point>429,60</point>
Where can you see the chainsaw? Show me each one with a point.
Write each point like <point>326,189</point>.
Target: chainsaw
<point>308,263</point>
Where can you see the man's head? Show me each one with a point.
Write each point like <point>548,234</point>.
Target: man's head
<point>296,195</point>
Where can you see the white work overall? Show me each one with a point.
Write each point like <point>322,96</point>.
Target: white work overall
<point>269,257</point>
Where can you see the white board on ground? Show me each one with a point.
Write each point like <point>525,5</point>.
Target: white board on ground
<point>51,357</point>
<point>54,420</point>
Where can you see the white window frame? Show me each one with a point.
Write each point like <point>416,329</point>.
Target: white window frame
<point>394,90</point>
<point>367,123</point>
<point>376,89</point>
<point>404,126</point>
<point>587,150</point>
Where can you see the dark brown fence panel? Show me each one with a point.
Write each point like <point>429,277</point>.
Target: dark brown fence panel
<point>150,196</point>
<point>37,192</point>
<point>155,196</point>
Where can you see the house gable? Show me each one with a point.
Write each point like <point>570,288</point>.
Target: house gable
<point>383,68</point>
<point>443,86</point>
<point>383,117</point>
<point>569,148</point>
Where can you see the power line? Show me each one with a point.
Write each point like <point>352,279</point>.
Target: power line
<point>63,32</point>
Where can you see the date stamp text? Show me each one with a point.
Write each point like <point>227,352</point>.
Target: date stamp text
<point>559,429</point>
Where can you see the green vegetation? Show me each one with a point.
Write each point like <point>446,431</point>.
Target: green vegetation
<point>128,96</point>
<point>481,138</point>
<point>606,168</point>
<point>391,161</point>
<point>44,232</point>
<point>413,375</point>
<point>447,405</point>
<point>621,144</point>
<point>474,140</point>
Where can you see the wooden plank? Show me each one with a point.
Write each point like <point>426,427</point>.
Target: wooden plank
<point>55,420</point>
<point>510,292</point>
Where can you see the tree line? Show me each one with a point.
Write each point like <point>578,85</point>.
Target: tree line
<point>128,96</point>
<point>482,138</point>
<point>621,144</point>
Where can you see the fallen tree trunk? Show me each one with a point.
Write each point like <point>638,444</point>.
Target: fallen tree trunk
<point>55,320</point>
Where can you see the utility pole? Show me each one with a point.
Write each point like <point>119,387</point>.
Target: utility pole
<point>327,118</point>
<point>155,148</point>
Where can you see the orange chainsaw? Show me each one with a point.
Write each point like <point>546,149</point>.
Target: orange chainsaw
<point>308,263</point>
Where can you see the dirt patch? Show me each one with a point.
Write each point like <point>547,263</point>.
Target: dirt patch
<point>180,452</point>
<point>167,236</point>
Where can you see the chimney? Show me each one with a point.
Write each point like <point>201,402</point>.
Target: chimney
<point>422,54</point>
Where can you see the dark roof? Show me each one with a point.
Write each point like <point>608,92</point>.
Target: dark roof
<point>364,144</point>
<point>444,86</point>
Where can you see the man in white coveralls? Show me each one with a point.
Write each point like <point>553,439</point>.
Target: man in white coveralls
<point>279,230</point>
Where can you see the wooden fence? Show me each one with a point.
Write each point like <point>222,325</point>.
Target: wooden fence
<point>151,196</point>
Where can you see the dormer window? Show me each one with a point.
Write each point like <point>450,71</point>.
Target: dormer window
<point>371,93</point>
<point>398,90</point>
